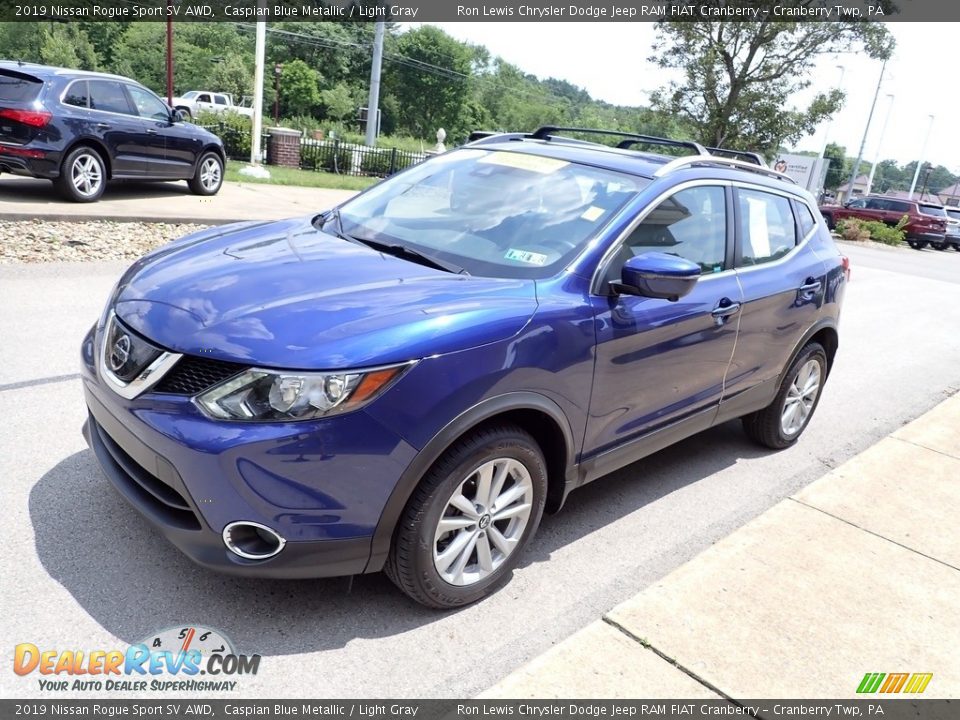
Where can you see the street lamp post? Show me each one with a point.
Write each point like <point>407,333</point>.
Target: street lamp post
<point>876,158</point>
<point>866,131</point>
<point>923,152</point>
<point>277,72</point>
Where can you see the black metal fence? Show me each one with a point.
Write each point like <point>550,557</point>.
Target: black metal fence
<point>351,159</point>
<point>332,156</point>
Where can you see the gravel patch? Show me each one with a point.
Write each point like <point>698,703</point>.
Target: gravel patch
<point>38,241</point>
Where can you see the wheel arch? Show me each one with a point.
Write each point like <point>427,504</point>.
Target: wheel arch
<point>534,413</point>
<point>824,333</point>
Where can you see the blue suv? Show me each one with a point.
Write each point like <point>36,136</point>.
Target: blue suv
<point>408,381</point>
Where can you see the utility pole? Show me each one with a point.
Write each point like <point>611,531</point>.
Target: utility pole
<point>277,72</point>
<point>866,131</point>
<point>170,53</point>
<point>373,102</point>
<point>258,91</point>
<point>923,152</point>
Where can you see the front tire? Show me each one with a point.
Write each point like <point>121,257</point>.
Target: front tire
<point>208,178</point>
<point>467,523</point>
<point>916,244</point>
<point>83,176</point>
<point>780,424</point>
<point>939,246</point>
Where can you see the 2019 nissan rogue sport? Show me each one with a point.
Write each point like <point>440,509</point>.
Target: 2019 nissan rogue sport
<point>407,381</point>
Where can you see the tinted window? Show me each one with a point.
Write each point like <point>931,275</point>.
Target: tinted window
<point>221,100</point>
<point>933,210</point>
<point>691,224</point>
<point>875,204</point>
<point>857,204</point>
<point>767,230</point>
<point>898,206</point>
<point>807,223</point>
<point>109,97</point>
<point>955,214</point>
<point>77,94</point>
<point>18,87</point>
<point>203,98</point>
<point>148,105</point>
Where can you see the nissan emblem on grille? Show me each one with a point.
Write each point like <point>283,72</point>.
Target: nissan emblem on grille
<point>120,352</point>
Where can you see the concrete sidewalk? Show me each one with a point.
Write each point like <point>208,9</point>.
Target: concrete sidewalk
<point>25,199</point>
<point>859,572</point>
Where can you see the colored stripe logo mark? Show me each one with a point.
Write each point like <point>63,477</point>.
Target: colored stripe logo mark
<point>894,683</point>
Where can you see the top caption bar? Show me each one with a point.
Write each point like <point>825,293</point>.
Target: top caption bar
<point>467,11</point>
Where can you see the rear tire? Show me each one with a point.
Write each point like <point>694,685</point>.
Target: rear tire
<point>83,176</point>
<point>208,178</point>
<point>470,518</point>
<point>782,422</point>
<point>828,219</point>
<point>916,244</point>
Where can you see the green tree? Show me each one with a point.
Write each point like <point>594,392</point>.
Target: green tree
<point>338,102</point>
<point>839,170</point>
<point>430,79</point>
<point>739,77</point>
<point>299,88</point>
<point>232,75</point>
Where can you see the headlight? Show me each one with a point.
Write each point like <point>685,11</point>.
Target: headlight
<point>269,395</point>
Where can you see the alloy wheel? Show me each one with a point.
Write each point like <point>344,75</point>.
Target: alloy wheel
<point>86,175</point>
<point>210,174</point>
<point>800,398</point>
<point>483,521</point>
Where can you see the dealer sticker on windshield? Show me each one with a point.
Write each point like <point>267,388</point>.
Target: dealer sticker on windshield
<point>530,258</point>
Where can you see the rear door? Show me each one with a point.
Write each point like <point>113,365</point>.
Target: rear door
<point>115,121</point>
<point>20,119</point>
<point>783,283</point>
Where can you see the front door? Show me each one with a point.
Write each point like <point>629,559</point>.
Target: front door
<point>659,362</point>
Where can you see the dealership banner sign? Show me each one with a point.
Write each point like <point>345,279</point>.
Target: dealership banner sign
<point>471,10</point>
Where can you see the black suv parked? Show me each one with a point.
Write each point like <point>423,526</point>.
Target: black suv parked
<point>81,129</point>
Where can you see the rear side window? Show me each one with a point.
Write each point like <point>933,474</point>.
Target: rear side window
<point>221,100</point>
<point>109,97</point>
<point>77,95</point>
<point>18,87</point>
<point>933,210</point>
<point>767,229</point>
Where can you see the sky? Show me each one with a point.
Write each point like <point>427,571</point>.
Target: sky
<point>609,60</point>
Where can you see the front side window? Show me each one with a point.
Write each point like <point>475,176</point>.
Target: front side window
<point>204,98</point>
<point>492,213</point>
<point>691,224</point>
<point>148,105</point>
<point>108,96</point>
<point>767,230</point>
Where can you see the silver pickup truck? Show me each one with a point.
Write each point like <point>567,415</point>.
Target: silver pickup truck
<point>194,102</point>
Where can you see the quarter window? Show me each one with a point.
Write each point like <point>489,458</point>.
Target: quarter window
<point>767,230</point>
<point>109,97</point>
<point>691,224</point>
<point>805,216</point>
<point>76,95</point>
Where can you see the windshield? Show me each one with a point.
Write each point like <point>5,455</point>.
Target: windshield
<point>933,210</point>
<point>496,214</point>
<point>190,95</point>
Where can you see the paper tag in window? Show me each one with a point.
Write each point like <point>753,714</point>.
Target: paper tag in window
<point>592,213</point>
<point>522,161</point>
<point>530,258</point>
<point>759,233</point>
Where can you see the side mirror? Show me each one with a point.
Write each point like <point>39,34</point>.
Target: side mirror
<point>657,275</point>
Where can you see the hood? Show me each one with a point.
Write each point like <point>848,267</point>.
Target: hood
<point>286,295</point>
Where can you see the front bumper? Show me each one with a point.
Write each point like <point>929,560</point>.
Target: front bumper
<point>191,477</point>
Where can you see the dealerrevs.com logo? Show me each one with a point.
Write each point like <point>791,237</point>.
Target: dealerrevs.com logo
<point>172,660</point>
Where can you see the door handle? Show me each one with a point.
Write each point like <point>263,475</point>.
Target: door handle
<point>810,286</point>
<point>724,309</point>
<point>150,131</point>
<point>104,126</point>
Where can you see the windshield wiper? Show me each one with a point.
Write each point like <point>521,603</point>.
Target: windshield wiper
<point>400,251</point>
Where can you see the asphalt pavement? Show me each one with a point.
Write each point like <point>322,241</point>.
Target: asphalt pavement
<point>82,570</point>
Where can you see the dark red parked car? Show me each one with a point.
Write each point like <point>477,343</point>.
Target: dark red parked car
<point>926,222</point>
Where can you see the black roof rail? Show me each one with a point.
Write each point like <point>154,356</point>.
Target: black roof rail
<point>753,157</point>
<point>544,133</point>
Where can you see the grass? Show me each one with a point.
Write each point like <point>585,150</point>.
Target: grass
<point>302,178</point>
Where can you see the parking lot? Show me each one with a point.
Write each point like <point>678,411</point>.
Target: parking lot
<point>88,573</point>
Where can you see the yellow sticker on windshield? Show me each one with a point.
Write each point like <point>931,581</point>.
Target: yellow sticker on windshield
<point>592,213</point>
<point>522,161</point>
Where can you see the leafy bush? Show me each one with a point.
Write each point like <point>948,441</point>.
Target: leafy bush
<point>860,230</point>
<point>329,157</point>
<point>304,123</point>
<point>376,162</point>
<point>233,128</point>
